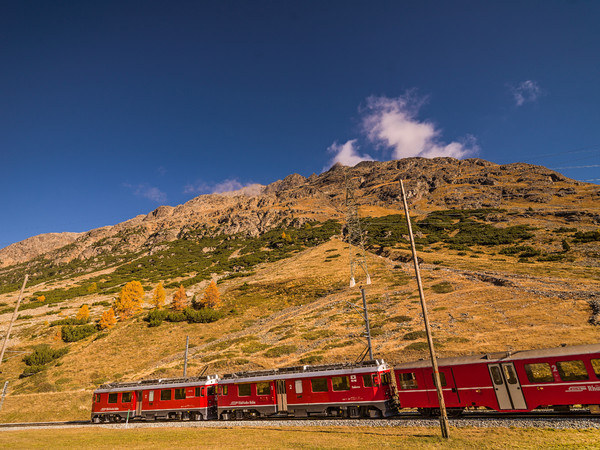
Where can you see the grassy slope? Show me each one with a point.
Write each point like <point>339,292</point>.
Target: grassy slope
<point>296,311</point>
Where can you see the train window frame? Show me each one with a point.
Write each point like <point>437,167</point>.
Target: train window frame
<point>97,398</point>
<point>179,393</point>
<point>533,378</point>
<point>244,389</point>
<point>211,390</point>
<point>298,386</point>
<point>385,378</point>
<point>408,380</point>
<point>197,392</point>
<point>340,383</point>
<point>375,380</point>
<point>151,396</point>
<point>509,374</point>
<point>442,379</point>
<point>113,397</point>
<point>496,375</point>
<point>319,385</point>
<point>225,389</point>
<point>126,397</point>
<point>263,388</point>
<point>166,394</point>
<point>572,376</point>
<point>596,367</point>
<point>367,380</point>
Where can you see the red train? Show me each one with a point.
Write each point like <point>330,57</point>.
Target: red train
<point>522,381</point>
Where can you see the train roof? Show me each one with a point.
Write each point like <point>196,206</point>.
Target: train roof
<point>160,383</point>
<point>506,356</point>
<point>303,371</point>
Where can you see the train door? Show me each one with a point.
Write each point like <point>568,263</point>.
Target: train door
<point>507,386</point>
<point>282,405</point>
<point>138,402</point>
<point>451,397</point>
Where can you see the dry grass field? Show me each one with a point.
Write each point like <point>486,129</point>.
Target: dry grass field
<point>300,438</point>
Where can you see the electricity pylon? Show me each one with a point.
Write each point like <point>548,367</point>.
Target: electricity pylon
<point>355,235</point>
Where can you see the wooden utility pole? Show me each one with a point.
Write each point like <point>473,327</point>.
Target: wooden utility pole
<point>367,325</point>
<point>187,346</point>
<point>14,317</point>
<point>436,373</point>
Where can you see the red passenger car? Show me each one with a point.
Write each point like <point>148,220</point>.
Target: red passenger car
<point>521,381</point>
<point>175,398</point>
<point>342,390</point>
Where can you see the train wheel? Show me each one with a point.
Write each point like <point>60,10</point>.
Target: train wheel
<point>197,416</point>
<point>428,412</point>
<point>455,412</point>
<point>116,418</point>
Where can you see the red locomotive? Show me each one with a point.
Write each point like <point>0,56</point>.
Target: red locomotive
<point>338,390</point>
<point>175,398</point>
<point>507,382</point>
<point>522,381</point>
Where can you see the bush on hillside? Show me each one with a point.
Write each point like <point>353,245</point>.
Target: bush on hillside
<point>76,333</point>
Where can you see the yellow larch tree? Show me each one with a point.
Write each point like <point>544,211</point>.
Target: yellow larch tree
<point>211,297</point>
<point>108,319</point>
<point>129,300</point>
<point>83,313</point>
<point>180,300</point>
<point>158,296</point>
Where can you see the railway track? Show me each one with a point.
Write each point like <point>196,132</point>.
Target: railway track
<point>578,419</point>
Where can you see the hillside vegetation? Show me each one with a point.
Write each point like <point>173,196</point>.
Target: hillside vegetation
<point>514,271</point>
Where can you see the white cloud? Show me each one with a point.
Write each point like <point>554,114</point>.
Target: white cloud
<point>391,124</point>
<point>526,92</point>
<point>347,154</point>
<point>201,187</point>
<point>149,192</point>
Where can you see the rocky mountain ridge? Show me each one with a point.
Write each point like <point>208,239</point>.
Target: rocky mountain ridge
<point>439,183</point>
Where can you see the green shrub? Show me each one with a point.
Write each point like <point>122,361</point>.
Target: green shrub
<point>414,335</point>
<point>254,347</point>
<point>586,236</point>
<point>69,321</point>
<point>31,370</point>
<point>565,230</point>
<point>204,315</point>
<point>281,350</point>
<point>176,316</point>
<point>442,288</point>
<point>71,333</point>
<point>155,317</point>
<point>551,257</point>
<point>317,334</point>
<point>43,354</point>
<point>311,359</point>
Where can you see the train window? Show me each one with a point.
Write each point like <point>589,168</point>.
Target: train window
<point>340,383</point>
<point>179,394</point>
<point>539,372</point>
<point>385,379</point>
<point>244,389</point>
<point>97,398</point>
<point>319,384</point>
<point>375,380</point>
<point>496,375</point>
<point>596,366</point>
<point>197,392</point>
<point>210,390</point>
<point>151,396</point>
<point>511,378</point>
<point>263,388</point>
<point>165,394</point>
<point>408,380</point>
<point>298,386</point>
<point>442,379</point>
<point>126,397</point>
<point>367,381</point>
<point>112,398</point>
<point>224,389</point>
<point>572,370</point>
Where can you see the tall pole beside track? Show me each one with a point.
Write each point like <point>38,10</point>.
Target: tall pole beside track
<point>187,346</point>
<point>436,373</point>
<point>14,317</point>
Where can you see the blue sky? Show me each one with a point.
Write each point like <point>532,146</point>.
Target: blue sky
<point>109,109</point>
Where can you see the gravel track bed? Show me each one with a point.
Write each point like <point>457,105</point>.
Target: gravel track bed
<point>555,423</point>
